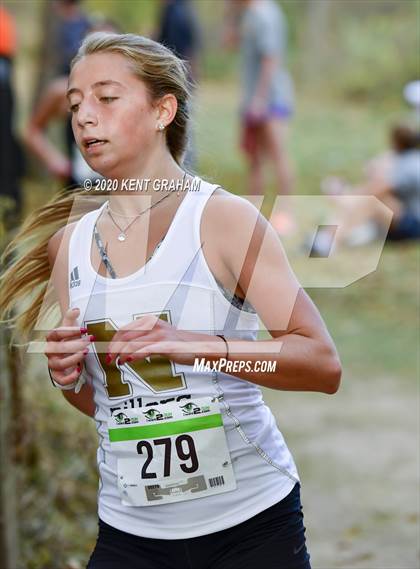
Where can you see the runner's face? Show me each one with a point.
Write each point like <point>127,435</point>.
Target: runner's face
<point>113,121</point>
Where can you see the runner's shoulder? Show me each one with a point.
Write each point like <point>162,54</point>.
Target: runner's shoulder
<point>230,211</point>
<point>230,217</point>
<point>232,227</point>
<point>59,241</point>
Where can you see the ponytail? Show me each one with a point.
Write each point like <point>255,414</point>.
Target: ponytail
<point>25,266</point>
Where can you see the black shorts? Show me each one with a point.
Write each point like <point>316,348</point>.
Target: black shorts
<point>273,539</point>
<point>408,227</point>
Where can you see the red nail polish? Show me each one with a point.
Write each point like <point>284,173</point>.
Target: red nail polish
<point>83,330</point>
<point>79,369</point>
<point>92,338</point>
<point>108,359</point>
<point>85,352</point>
<point>130,359</point>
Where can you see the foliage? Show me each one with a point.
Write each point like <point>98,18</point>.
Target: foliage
<point>376,56</point>
<point>58,480</point>
<point>7,206</point>
<point>370,48</point>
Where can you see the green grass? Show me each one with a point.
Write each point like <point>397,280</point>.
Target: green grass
<point>373,321</point>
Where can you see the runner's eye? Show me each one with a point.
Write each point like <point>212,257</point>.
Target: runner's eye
<point>108,99</point>
<point>74,108</point>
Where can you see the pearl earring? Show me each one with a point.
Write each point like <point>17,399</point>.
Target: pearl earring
<point>160,126</point>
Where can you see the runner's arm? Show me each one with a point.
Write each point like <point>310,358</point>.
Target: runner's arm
<point>305,355</point>
<point>57,256</point>
<point>48,108</point>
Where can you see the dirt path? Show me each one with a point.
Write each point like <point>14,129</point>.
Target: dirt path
<point>358,457</point>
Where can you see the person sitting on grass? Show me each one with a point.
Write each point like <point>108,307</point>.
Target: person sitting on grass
<point>394,178</point>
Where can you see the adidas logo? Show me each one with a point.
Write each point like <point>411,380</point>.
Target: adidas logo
<point>74,277</point>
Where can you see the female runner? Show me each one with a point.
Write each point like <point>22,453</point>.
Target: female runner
<point>194,472</point>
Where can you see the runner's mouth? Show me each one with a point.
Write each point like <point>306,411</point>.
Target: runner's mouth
<point>94,142</point>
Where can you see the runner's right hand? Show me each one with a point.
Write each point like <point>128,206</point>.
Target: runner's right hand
<point>67,348</point>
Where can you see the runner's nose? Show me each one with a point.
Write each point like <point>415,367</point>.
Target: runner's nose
<point>86,114</point>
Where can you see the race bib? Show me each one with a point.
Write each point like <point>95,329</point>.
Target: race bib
<point>171,453</point>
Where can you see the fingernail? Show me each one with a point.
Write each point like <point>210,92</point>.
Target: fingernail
<point>129,359</point>
<point>92,338</point>
<point>83,330</point>
<point>108,359</point>
<point>79,369</point>
<point>85,352</point>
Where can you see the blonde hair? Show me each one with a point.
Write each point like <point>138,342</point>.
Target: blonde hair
<point>24,282</point>
<point>25,265</point>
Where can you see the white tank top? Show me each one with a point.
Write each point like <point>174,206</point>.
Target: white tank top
<point>177,281</point>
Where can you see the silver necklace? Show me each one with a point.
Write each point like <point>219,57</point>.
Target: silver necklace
<point>123,232</point>
<point>120,214</point>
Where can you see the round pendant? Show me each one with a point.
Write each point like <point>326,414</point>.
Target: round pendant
<point>121,237</point>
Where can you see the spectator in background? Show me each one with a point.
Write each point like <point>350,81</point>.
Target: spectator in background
<point>73,25</point>
<point>178,29</point>
<point>68,167</point>
<point>11,161</point>
<point>267,95</point>
<point>403,183</point>
<point>394,178</point>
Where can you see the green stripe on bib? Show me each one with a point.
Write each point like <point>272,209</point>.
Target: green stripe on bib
<point>165,429</point>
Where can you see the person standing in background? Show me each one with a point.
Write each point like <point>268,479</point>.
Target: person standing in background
<point>73,25</point>
<point>267,101</point>
<point>179,30</point>
<point>11,159</point>
<point>68,167</point>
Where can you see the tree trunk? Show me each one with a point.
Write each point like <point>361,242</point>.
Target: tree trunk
<point>8,510</point>
<point>47,62</point>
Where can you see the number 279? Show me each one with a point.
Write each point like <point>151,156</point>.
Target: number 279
<point>190,454</point>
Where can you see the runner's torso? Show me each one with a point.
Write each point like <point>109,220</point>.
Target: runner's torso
<point>177,285</point>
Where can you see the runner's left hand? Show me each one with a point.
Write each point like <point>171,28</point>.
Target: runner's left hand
<point>150,336</point>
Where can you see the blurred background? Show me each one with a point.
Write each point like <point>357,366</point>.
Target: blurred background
<point>357,451</point>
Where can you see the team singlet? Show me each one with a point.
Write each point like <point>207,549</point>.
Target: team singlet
<point>182,453</point>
